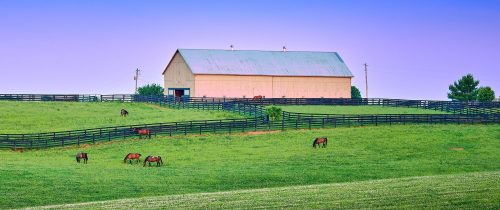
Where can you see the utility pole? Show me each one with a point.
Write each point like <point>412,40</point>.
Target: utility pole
<point>366,80</point>
<point>136,78</point>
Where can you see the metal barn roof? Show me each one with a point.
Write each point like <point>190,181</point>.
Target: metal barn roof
<point>255,62</point>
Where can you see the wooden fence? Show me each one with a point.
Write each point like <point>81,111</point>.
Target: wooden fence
<point>455,107</point>
<point>465,113</point>
<point>287,121</point>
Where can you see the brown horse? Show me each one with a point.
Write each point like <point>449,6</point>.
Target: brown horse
<point>131,156</point>
<point>83,156</point>
<point>318,141</point>
<point>156,159</point>
<point>143,132</point>
<point>257,98</point>
<point>123,113</point>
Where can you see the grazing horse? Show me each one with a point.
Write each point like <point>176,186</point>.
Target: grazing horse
<point>150,159</point>
<point>131,156</point>
<point>318,141</point>
<point>257,98</point>
<point>83,156</point>
<point>143,132</point>
<point>123,113</point>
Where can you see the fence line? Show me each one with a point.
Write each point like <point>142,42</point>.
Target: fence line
<point>254,109</point>
<point>455,107</point>
<point>288,121</point>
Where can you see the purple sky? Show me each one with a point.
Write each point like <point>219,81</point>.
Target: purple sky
<point>414,49</point>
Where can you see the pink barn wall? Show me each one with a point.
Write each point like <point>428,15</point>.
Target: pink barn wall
<point>272,86</point>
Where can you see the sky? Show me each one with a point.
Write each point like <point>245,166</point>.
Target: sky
<point>414,48</point>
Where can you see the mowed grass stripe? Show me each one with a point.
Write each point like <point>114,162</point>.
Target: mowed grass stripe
<point>327,109</point>
<point>469,190</point>
<point>35,117</point>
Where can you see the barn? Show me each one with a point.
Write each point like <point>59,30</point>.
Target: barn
<point>249,73</point>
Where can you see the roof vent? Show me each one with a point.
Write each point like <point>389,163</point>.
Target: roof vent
<point>284,49</point>
<point>232,47</point>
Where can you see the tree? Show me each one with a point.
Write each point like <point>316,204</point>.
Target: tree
<point>274,112</point>
<point>465,89</point>
<point>485,94</point>
<point>150,89</point>
<point>355,92</point>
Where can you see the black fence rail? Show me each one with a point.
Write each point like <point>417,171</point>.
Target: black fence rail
<point>455,107</point>
<point>50,97</point>
<point>305,120</point>
<point>288,121</point>
<point>86,136</point>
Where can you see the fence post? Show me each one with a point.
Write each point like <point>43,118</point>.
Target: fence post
<point>283,121</point>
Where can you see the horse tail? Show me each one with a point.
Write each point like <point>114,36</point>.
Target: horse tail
<point>314,142</point>
<point>126,156</point>
<point>326,141</point>
<point>161,161</point>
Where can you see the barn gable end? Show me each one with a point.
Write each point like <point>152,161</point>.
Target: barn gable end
<point>178,75</point>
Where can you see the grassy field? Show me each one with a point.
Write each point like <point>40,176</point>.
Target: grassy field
<point>320,109</point>
<point>33,117</point>
<point>478,190</point>
<point>216,163</point>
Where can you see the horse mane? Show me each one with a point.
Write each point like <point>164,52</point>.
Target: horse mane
<point>126,156</point>
<point>146,159</point>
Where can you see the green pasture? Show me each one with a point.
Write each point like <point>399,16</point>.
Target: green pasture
<point>33,117</point>
<point>478,190</point>
<point>326,109</point>
<point>218,163</point>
